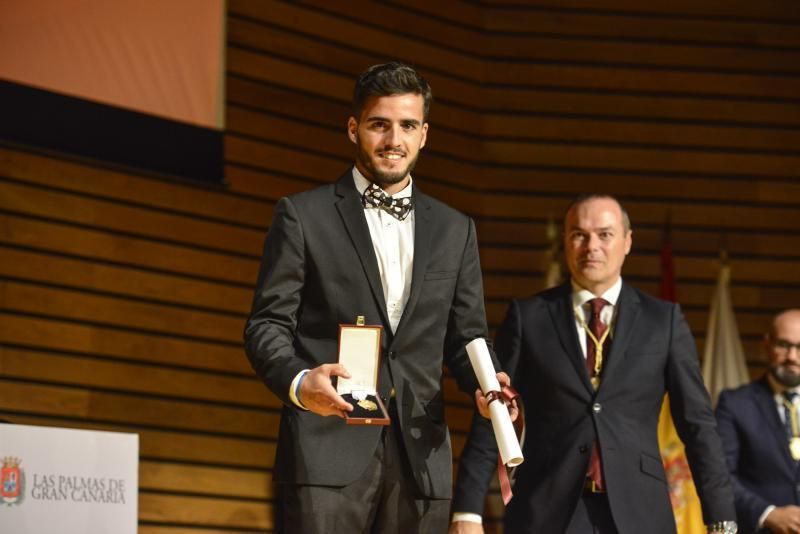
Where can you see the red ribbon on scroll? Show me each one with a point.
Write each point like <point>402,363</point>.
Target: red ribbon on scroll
<point>506,395</point>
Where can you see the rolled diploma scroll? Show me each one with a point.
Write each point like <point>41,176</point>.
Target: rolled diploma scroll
<point>504,433</point>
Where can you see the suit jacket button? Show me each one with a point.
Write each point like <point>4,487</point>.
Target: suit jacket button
<point>583,449</point>
<point>392,354</point>
<point>597,408</point>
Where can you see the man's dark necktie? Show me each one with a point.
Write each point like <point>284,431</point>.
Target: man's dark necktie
<point>376,197</point>
<point>791,424</point>
<point>596,338</point>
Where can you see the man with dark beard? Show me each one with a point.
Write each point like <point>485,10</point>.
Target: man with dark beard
<point>372,245</point>
<point>758,424</point>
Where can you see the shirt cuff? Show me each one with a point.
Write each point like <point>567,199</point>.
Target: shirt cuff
<point>294,389</point>
<point>764,515</point>
<point>466,517</point>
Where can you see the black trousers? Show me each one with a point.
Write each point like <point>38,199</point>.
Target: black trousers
<point>384,500</point>
<point>592,515</point>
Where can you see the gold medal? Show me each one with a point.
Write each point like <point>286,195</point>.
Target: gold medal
<point>371,406</point>
<point>794,448</point>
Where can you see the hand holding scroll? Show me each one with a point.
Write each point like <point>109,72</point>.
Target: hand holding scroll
<point>489,380</point>
<point>483,403</point>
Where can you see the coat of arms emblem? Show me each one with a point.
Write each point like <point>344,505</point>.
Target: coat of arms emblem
<point>12,481</point>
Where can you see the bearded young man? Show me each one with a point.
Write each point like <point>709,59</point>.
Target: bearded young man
<point>759,427</point>
<point>373,245</point>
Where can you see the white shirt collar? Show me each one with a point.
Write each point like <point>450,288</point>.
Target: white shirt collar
<point>581,296</point>
<point>362,184</point>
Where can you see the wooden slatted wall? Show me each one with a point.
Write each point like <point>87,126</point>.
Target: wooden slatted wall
<point>122,297</point>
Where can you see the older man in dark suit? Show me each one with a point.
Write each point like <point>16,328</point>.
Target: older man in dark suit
<point>592,360</point>
<point>373,245</point>
<point>760,432</point>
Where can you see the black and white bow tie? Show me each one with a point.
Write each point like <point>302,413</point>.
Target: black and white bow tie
<point>375,197</point>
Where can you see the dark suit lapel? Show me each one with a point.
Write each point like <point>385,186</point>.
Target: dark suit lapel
<point>765,400</point>
<point>563,318</point>
<point>627,314</point>
<point>422,252</point>
<point>352,213</point>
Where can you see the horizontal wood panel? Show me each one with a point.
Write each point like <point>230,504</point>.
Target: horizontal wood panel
<point>499,205</point>
<point>700,30</point>
<point>329,85</point>
<point>119,408</point>
<point>540,101</point>
<point>633,80</point>
<point>125,281</point>
<point>204,511</point>
<point>129,188</point>
<point>287,102</point>
<point>334,141</point>
<point>145,528</point>
<point>326,42</point>
<point>778,10</point>
<point>655,160</point>
<point>652,212</point>
<point>319,46</point>
<point>611,104</point>
<point>647,239</point>
<point>97,244</point>
<point>112,311</point>
<point>134,378</point>
<point>59,335</point>
<point>440,30</point>
<point>640,265</point>
<point>268,185</point>
<point>658,134</point>
<point>163,445</point>
<point>713,158</point>
<point>223,482</point>
<point>532,47</point>
<point>504,287</point>
<point>110,215</point>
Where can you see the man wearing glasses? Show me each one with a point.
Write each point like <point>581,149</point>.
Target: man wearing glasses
<point>760,429</point>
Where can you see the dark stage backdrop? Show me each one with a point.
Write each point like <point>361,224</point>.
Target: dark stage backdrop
<point>123,296</point>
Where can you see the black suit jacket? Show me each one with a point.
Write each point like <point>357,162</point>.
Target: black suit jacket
<point>652,353</point>
<point>757,451</point>
<point>319,270</point>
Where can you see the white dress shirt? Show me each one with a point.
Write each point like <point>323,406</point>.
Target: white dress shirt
<point>393,243</point>
<point>580,304</point>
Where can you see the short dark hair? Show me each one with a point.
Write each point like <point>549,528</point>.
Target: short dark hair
<point>390,79</point>
<point>586,197</point>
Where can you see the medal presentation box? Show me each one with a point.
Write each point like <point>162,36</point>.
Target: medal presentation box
<point>360,354</point>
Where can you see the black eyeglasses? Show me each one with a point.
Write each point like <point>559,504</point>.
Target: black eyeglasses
<point>785,346</point>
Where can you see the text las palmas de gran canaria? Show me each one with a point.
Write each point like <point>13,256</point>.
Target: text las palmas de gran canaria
<point>78,489</point>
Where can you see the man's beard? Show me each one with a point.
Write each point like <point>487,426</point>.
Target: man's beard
<point>786,377</point>
<point>381,178</point>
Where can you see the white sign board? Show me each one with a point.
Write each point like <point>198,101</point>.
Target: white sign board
<point>67,481</point>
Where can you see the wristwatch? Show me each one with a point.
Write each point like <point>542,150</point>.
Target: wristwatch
<point>723,527</point>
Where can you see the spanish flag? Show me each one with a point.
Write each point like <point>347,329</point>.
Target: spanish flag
<point>682,493</point>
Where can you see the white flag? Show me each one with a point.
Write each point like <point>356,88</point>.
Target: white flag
<point>724,364</point>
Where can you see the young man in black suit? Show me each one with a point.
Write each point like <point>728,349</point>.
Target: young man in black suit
<point>370,244</point>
